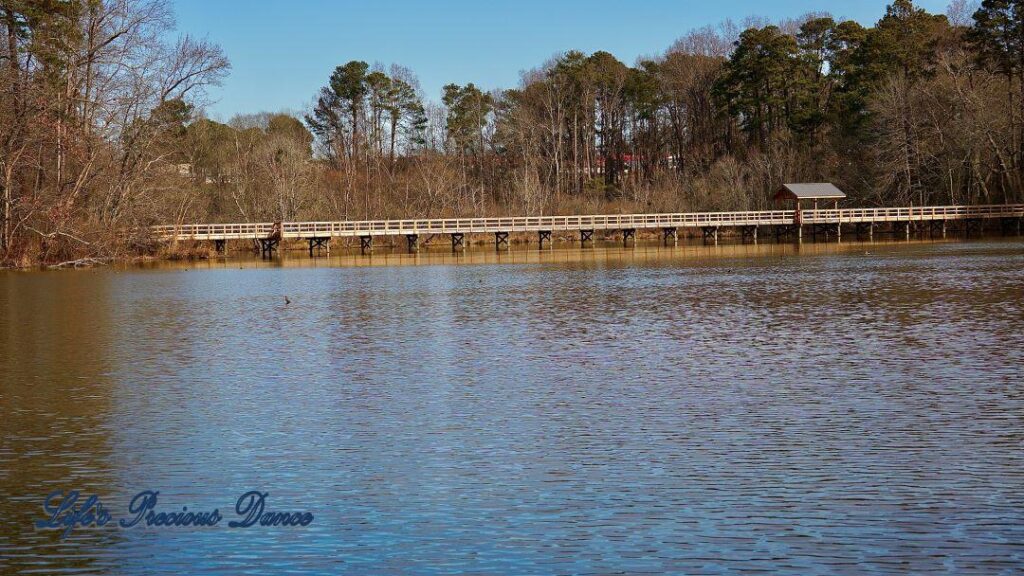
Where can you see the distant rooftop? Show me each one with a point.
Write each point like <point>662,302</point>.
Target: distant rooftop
<point>819,191</point>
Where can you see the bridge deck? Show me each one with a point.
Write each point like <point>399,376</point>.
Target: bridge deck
<point>296,230</point>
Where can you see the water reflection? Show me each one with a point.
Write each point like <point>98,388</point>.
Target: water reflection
<point>601,252</point>
<point>840,408</point>
<point>56,394</point>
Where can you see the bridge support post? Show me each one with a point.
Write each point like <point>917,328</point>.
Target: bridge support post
<point>458,242</point>
<point>268,246</point>
<point>710,233</point>
<point>839,232</point>
<point>542,237</point>
<point>501,241</point>
<point>365,244</point>
<point>972,226</point>
<point>586,236</point>
<point>903,227</point>
<point>799,233</point>
<point>412,241</point>
<point>670,235</point>
<point>863,227</point>
<point>627,235</point>
<point>317,244</point>
<point>749,233</point>
<point>1009,225</point>
<point>220,246</point>
<point>825,230</point>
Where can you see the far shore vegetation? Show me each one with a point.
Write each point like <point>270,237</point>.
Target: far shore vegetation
<point>102,128</point>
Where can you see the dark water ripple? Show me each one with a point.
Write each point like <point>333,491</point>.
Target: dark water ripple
<point>849,413</point>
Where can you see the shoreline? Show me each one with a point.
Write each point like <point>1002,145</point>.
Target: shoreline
<point>519,245</point>
<point>522,254</point>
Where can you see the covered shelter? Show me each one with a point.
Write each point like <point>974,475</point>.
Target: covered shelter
<point>800,193</point>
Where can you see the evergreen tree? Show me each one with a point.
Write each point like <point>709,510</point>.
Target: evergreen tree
<point>468,111</point>
<point>998,36</point>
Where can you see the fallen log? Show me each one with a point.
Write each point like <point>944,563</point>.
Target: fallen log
<point>80,263</point>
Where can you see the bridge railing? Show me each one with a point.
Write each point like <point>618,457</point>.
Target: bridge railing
<point>231,231</point>
<point>912,213</point>
<point>563,223</point>
<point>533,223</point>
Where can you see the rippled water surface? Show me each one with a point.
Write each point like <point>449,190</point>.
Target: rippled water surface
<point>855,409</point>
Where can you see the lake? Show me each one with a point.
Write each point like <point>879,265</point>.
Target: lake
<point>814,409</point>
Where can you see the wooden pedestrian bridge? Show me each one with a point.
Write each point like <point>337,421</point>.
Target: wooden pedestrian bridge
<point>790,224</point>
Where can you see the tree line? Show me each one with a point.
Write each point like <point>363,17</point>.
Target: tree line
<point>101,126</point>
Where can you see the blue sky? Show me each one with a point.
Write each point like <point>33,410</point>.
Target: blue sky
<point>283,51</point>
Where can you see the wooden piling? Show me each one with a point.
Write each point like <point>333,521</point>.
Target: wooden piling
<point>627,234</point>
<point>268,246</point>
<point>586,236</point>
<point>544,236</point>
<point>670,235</point>
<point>317,244</point>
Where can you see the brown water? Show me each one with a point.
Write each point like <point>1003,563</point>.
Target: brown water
<point>821,409</point>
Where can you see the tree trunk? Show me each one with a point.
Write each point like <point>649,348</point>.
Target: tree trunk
<point>10,140</point>
<point>394,126</point>
<point>1019,133</point>
<point>5,233</point>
